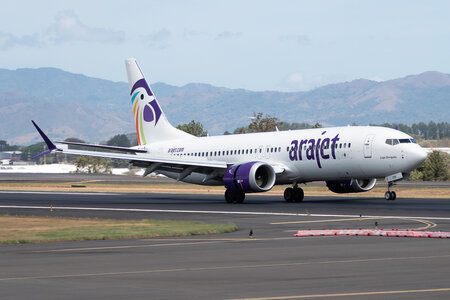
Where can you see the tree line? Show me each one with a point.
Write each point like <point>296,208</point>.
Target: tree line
<point>430,131</point>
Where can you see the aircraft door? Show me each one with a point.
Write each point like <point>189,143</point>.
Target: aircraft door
<point>368,146</point>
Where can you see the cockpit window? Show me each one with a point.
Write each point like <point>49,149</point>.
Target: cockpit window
<point>404,141</point>
<point>392,141</point>
<point>413,141</point>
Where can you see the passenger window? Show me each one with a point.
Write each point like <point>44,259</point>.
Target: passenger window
<point>251,151</point>
<point>345,145</point>
<point>349,144</point>
<point>246,151</point>
<point>206,154</point>
<point>279,149</point>
<point>340,146</point>
<point>287,149</point>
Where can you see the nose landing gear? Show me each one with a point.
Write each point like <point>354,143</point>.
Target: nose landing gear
<point>390,194</point>
<point>294,194</point>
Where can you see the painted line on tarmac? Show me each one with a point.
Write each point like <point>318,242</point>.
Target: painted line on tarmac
<point>349,294</point>
<point>177,242</point>
<point>217,212</point>
<point>128,246</point>
<point>428,224</point>
<point>59,193</point>
<point>218,268</point>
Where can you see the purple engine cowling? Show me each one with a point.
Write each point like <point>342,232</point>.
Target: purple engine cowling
<point>351,185</point>
<point>251,177</point>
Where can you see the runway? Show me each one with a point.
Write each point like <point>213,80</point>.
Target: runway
<point>272,265</point>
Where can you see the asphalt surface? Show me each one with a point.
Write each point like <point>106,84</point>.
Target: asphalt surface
<point>116,179</point>
<point>232,266</point>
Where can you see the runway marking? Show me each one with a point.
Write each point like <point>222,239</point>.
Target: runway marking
<point>194,242</point>
<point>320,221</point>
<point>428,224</point>
<point>237,267</point>
<point>348,294</point>
<point>60,193</point>
<point>125,247</point>
<point>256,213</point>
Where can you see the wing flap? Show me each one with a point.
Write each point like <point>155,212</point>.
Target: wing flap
<point>147,158</point>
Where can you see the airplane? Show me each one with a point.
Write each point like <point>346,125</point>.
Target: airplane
<point>349,159</point>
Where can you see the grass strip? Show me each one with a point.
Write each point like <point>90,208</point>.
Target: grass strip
<point>22,229</point>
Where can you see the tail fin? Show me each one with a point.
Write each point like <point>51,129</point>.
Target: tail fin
<point>149,119</point>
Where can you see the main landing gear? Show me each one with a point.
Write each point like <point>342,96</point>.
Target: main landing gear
<point>293,194</point>
<point>234,196</point>
<point>390,194</point>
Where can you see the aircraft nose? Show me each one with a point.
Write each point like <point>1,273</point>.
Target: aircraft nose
<point>419,155</point>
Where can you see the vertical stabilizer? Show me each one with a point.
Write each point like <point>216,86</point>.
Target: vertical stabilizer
<point>149,119</point>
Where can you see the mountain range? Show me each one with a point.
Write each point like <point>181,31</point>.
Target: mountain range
<point>73,105</point>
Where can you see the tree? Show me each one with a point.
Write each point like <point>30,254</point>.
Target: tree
<point>194,128</point>
<point>263,124</point>
<point>120,140</point>
<point>89,164</point>
<point>434,168</point>
<point>437,164</point>
<point>4,146</point>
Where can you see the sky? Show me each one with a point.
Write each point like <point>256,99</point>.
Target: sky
<point>256,45</point>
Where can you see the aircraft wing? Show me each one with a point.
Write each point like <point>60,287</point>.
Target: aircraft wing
<point>116,148</point>
<point>139,157</point>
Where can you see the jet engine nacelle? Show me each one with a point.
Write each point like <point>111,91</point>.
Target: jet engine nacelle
<point>250,177</point>
<point>351,185</point>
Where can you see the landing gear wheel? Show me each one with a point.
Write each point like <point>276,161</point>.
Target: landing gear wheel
<point>390,195</point>
<point>234,197</point>
<point>289,194</point>
<point>393,195</point>
<point>230,196</point>
<point>298,195</point>
<point>240,197</point>
<point>387,195</point>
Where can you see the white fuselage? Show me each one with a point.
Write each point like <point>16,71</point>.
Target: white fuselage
<point>302,155</point>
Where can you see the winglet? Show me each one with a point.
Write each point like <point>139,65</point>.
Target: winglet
<point>49,143</point>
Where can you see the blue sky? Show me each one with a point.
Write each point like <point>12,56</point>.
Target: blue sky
<point>257,45</point>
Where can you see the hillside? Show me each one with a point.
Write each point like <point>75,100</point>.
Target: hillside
<point>74,105</point>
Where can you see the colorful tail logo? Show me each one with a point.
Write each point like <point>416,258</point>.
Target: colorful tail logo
<point>145,108</point>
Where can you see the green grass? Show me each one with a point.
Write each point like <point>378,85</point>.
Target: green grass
<point>49,229</point>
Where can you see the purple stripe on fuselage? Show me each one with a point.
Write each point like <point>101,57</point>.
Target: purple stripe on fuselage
<point>143,84</point>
